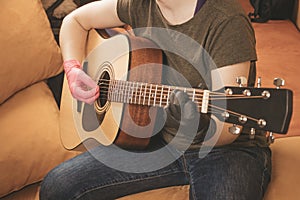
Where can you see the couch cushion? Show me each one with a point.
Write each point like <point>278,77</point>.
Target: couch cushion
<point>29,52</point>
<point>285,172</point>
<point>30,141</point>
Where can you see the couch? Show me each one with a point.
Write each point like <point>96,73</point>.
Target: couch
<point>29,115</point>
<point>31,122</point>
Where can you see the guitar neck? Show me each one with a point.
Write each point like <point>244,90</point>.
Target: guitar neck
<point>148,94</point>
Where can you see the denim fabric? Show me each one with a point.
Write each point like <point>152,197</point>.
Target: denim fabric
<point>226,173</point>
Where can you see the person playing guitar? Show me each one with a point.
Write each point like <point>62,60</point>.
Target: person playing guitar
<point>206,44</point>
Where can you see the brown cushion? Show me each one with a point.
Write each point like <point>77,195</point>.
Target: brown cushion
<point>30,142</point>
<point>168,193</point>
<point>29,52</point>
<point>285,170</point>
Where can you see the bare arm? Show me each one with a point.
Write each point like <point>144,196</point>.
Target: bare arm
<point>226,76</point>
<point>73,36</point>
<point>75,26</point>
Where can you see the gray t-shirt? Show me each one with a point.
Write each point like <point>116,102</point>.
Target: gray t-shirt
<point>220,34</point>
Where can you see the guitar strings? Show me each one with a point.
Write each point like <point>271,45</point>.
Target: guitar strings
<point>162,90</point>
<point>136,91</point>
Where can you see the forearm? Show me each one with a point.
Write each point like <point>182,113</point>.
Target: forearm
<point>226,76</point>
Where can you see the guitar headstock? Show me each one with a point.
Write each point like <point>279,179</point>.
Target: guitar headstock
<point>268,109</point>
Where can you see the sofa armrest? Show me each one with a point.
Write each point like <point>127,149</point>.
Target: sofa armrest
<point>285,172</point>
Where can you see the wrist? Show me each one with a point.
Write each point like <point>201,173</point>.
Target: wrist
<point>69,64</point>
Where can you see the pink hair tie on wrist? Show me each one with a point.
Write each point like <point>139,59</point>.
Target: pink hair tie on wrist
<point>81,85</point>
<point>69,64</point>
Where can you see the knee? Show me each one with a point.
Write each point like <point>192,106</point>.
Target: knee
<point>53,186</point>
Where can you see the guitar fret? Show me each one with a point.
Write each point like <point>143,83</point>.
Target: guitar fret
<point>161,95</point>
<point>120,92</point>
<point>154,101</point>
<point>127,90</point>
<point>131,89</point>
<point>145,93</point>
<point>150,93</point>
<point>136,91</point>
<point>169,89</point>
<point>113,91</point>
<point>133,93</point>
<point>116,91</point>
<point>141,93</point>
<point>124,94</point>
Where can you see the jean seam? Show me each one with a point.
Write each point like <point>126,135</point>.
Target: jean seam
<point>120,183</point>
<point>264,174</point>
<point>188,176</point>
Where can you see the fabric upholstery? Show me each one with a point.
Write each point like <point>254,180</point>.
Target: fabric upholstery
<point>285,175</point>
<point>29,52</point>
<point>30,144</point>
<point>30,192</point>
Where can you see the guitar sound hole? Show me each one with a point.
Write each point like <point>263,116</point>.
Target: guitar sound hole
<point>103,86</point>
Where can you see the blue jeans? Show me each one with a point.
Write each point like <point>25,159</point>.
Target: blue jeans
<point>225,173</point>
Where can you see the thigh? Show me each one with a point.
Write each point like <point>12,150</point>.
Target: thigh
<point>230,173</point>
<point>86,177</point>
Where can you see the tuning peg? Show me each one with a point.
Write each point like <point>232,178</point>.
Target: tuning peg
<point>252,133</point>
<point>241,81</point>
<point>234,130</point>
<point>258,82</point>
<point>278,82</point>
<point>271,138</point>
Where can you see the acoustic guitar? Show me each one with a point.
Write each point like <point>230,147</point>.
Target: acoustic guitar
<point>128,70</point>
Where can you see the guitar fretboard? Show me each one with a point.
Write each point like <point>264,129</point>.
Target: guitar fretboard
<point>152,94</point>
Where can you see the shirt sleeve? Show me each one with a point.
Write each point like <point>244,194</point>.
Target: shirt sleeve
<point>233,42</point>
<point>123,10</point>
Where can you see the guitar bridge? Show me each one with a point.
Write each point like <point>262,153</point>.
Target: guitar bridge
<point>205,101</point>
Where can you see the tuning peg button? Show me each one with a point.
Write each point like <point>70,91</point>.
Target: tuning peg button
<point>241,81</point>
<point>278,82</point>
<point>252,134</point>
<point>234,130</point>
<point>271,138</point>
<point>258,82</point>
<point>262,123</point>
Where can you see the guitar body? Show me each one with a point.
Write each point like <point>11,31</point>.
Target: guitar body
<point>127,125</point>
